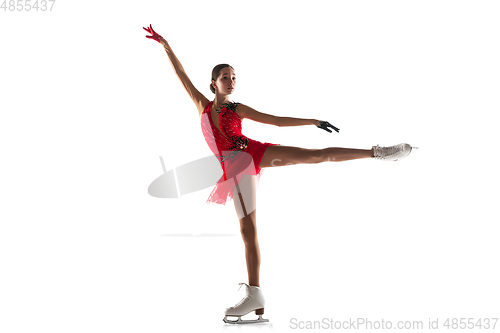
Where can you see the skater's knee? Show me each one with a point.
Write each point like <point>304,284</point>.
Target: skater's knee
<point>318,155</point>
<point>248,229</point>
<point>329,154</point>
<point>303,155</point>
<point>249,233</point>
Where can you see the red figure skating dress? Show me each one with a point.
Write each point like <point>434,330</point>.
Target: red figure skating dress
<point>237,154</point>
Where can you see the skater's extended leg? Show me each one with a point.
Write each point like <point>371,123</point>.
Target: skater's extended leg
<point>287,155</point>
<point>244,202</point>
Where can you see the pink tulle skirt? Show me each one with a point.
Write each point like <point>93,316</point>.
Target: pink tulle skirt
<point>234,165</point>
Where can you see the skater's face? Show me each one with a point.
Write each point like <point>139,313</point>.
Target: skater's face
<point>226,82</point>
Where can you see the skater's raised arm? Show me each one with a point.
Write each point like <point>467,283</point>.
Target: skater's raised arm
<point>199,100</point>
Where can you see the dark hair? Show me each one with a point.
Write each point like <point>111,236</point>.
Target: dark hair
<point>216,73</point>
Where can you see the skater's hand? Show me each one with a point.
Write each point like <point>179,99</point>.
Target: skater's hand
<point>155,36</point>
<point>324,125</point>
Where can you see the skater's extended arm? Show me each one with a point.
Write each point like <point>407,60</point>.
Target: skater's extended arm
<point>289,121</point>
<point>199,100</point>
<point>247,112</point>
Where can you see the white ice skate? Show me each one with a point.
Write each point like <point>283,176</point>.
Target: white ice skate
<point>392,153</point>
<point>254,300</point>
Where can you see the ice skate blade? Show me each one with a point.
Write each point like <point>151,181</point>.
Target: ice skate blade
<point>241,321</point>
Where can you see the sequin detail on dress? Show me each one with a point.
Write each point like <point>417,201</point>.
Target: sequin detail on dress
<point>240,142</point>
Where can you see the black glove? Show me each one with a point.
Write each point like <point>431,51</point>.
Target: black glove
<point>324,125</point>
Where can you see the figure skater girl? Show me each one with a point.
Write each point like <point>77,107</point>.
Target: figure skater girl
<point>242,160</point>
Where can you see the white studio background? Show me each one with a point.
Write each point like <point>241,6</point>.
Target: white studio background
<point>88,104</point>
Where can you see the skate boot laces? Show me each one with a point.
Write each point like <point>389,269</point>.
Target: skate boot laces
<point>384,153</point>
<point>246,298</point>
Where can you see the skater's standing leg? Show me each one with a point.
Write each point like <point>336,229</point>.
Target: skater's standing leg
<point>252,252</point>
<point>245,204</point>
<point>244,201</point>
